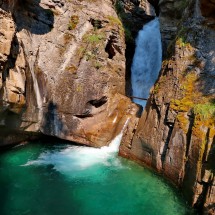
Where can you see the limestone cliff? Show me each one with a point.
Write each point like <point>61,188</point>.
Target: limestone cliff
<point>62,70</point>
<point>176,133</point>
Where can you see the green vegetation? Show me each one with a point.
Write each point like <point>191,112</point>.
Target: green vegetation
<point>182,43</point>
<point>123,30</point>
<point>94,42</point>
<point>89,55</point>
<point>93,38</point>
<point>73,22</point>
<point>205,111</point>
<point>182,38</point>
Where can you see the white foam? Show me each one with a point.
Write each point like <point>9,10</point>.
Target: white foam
<point>75,159</point>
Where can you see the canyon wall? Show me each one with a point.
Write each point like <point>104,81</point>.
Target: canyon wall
<point>62,71</point>
<point>176,133</point>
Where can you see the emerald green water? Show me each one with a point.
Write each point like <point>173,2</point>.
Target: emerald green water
<point>60,179</point>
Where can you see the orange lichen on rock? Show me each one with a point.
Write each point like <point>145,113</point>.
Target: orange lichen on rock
<point>189,95</point>
<point>201,106</point>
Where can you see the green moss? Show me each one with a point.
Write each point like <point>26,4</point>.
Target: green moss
<point>182,38</point>
<point>94,42</point>
<point>181,42</point>
<point>93,38</point>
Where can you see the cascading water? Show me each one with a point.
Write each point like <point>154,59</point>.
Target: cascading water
<point>147,61</point>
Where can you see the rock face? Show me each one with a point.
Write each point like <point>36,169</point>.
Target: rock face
<point>176,133</point>
<point>63,70</point>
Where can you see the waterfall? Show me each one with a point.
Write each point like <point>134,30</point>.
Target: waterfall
<point>36,86</point>
<point>147,61</point>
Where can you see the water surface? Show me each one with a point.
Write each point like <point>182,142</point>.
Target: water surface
<point>47,179</point>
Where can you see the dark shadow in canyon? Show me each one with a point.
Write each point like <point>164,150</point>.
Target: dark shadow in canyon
<point>29,15</point>
<point>52,123</point>
<point>155,4</point>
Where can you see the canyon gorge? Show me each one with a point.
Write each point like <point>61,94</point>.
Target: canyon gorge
<point>66,72</point>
